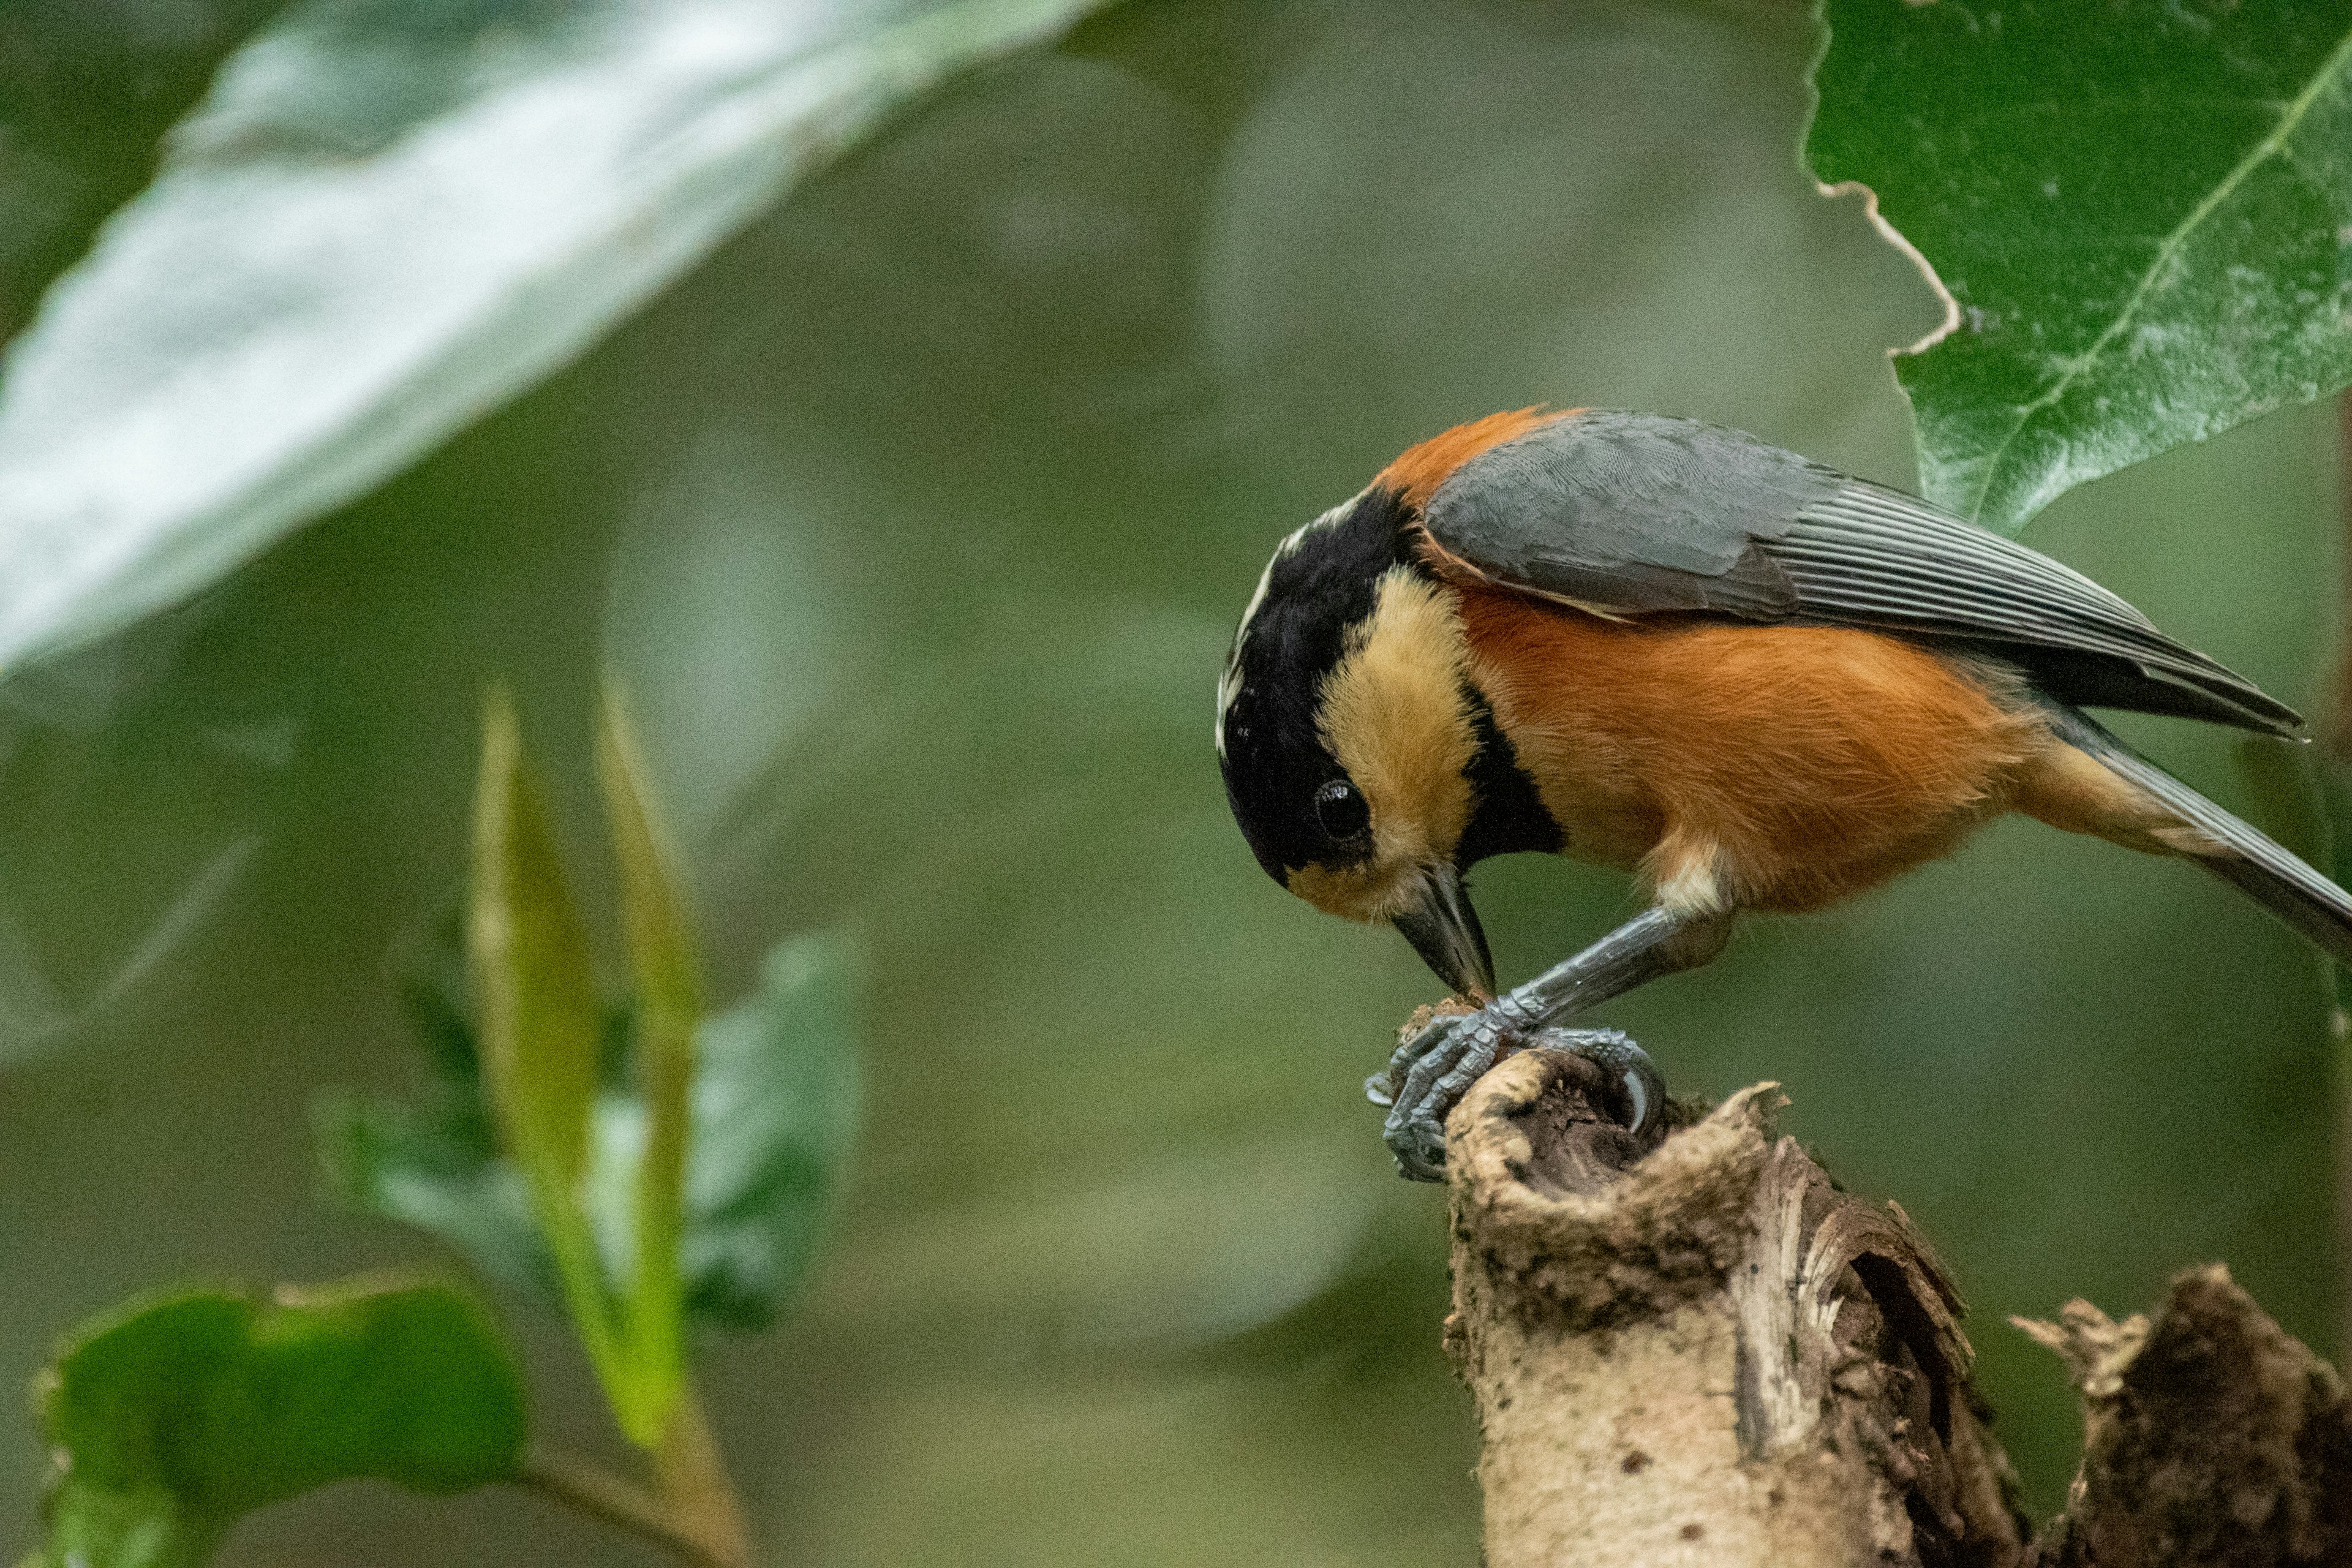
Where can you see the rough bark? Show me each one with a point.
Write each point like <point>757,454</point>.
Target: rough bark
<point>2210,1437</point>
<point>1695,1350</point>
<point>1702,1352</point>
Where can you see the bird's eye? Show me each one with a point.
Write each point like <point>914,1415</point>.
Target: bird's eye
<point>1339,807</point>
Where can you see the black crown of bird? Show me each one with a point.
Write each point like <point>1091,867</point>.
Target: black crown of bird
<point>1751,681</point>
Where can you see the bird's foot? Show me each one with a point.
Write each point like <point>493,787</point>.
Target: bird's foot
<point>1436,1065</point>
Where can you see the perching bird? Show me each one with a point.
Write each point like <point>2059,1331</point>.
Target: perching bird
<point>1670,648</point>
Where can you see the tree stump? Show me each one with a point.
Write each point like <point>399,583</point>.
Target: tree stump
<point>2209,1436</point>
<point>1695,1350</point>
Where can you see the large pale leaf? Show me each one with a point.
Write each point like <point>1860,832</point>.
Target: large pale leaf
<point>173,1418</point>
<point>388,216</point>
<point>2142,212</point>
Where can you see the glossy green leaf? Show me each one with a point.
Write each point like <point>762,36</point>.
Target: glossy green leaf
<point>774,1114</point>
<point>2142,212</point>
<point>386,218</point>
<point>668,992</point>
<point>175,1416</point>
<point>541,1038</point>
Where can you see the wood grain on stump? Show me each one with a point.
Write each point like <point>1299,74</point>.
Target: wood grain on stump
<point>1694,1349</point>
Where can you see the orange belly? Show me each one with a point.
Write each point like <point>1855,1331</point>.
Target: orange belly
<point>1785,767</point>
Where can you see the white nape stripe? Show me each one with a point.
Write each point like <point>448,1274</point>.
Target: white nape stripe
<point>1229,684</point>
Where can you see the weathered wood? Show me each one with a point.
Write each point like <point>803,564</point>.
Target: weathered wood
<point>1702,1352</point>
<point>2212,1438</point>
<point>1694,1349</point>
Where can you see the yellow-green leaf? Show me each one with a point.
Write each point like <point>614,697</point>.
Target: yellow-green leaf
<point>668,991</point>
<point>541,1036</point>
<point>540,1020</point>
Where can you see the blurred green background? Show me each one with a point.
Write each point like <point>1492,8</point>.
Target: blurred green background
<point>917,519</point>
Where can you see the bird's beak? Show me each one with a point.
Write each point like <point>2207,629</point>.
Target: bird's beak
<point>1444,929</point>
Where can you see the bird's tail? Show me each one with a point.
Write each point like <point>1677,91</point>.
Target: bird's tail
<point>2251,860</point>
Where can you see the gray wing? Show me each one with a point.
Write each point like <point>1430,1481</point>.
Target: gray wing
<point>1635,514</point>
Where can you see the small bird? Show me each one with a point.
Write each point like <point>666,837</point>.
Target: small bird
<point>1671,647</point>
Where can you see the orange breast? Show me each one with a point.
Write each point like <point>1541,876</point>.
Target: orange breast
<point>1803,763</point>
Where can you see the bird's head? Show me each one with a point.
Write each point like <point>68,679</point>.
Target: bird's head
<point>1348,727</point>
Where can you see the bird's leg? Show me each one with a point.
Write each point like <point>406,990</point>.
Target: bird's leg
<point>1432,1070</point>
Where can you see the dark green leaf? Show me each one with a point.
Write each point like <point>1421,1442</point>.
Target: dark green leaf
<point>399,215</point>
<point>177,1415</point>
<point>2142,212</point>
<point>437,1165</point>
<point>774,1113</point>
<point>439,1170</point>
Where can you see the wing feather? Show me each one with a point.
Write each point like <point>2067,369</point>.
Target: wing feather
<point>1630,515</point>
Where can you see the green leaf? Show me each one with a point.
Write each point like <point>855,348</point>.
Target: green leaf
<point>542,1034</point>
<point>668,997</point>
<point>437,1165</point>
<point>175,1416</point>
<point>541,1021</point>
<point>2142,212</point>
<point>387,219</point>
<point>440,1172</point>
<point>774,1113</point>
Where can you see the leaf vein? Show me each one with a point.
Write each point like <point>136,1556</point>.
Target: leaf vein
<point>2330,74</point>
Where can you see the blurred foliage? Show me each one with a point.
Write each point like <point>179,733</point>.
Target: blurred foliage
<point>173,1418</point>
<point>86,90</point>
<point>534,981</point>
<point>182,1414</point>
<point>773,1116</point>
<point>553,1161</point>
<point>2143,213</point>
<point>387,217</point>
<point>665,1006</point>
<point>916,518</point>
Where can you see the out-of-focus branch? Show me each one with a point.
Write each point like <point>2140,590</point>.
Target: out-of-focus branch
<point>693,1481</point>
<point>587,1487</point>
<point>692,1511</point>
<point>2210,1437</point>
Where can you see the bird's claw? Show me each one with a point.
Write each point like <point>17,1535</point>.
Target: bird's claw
<point>1436,1065</point>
